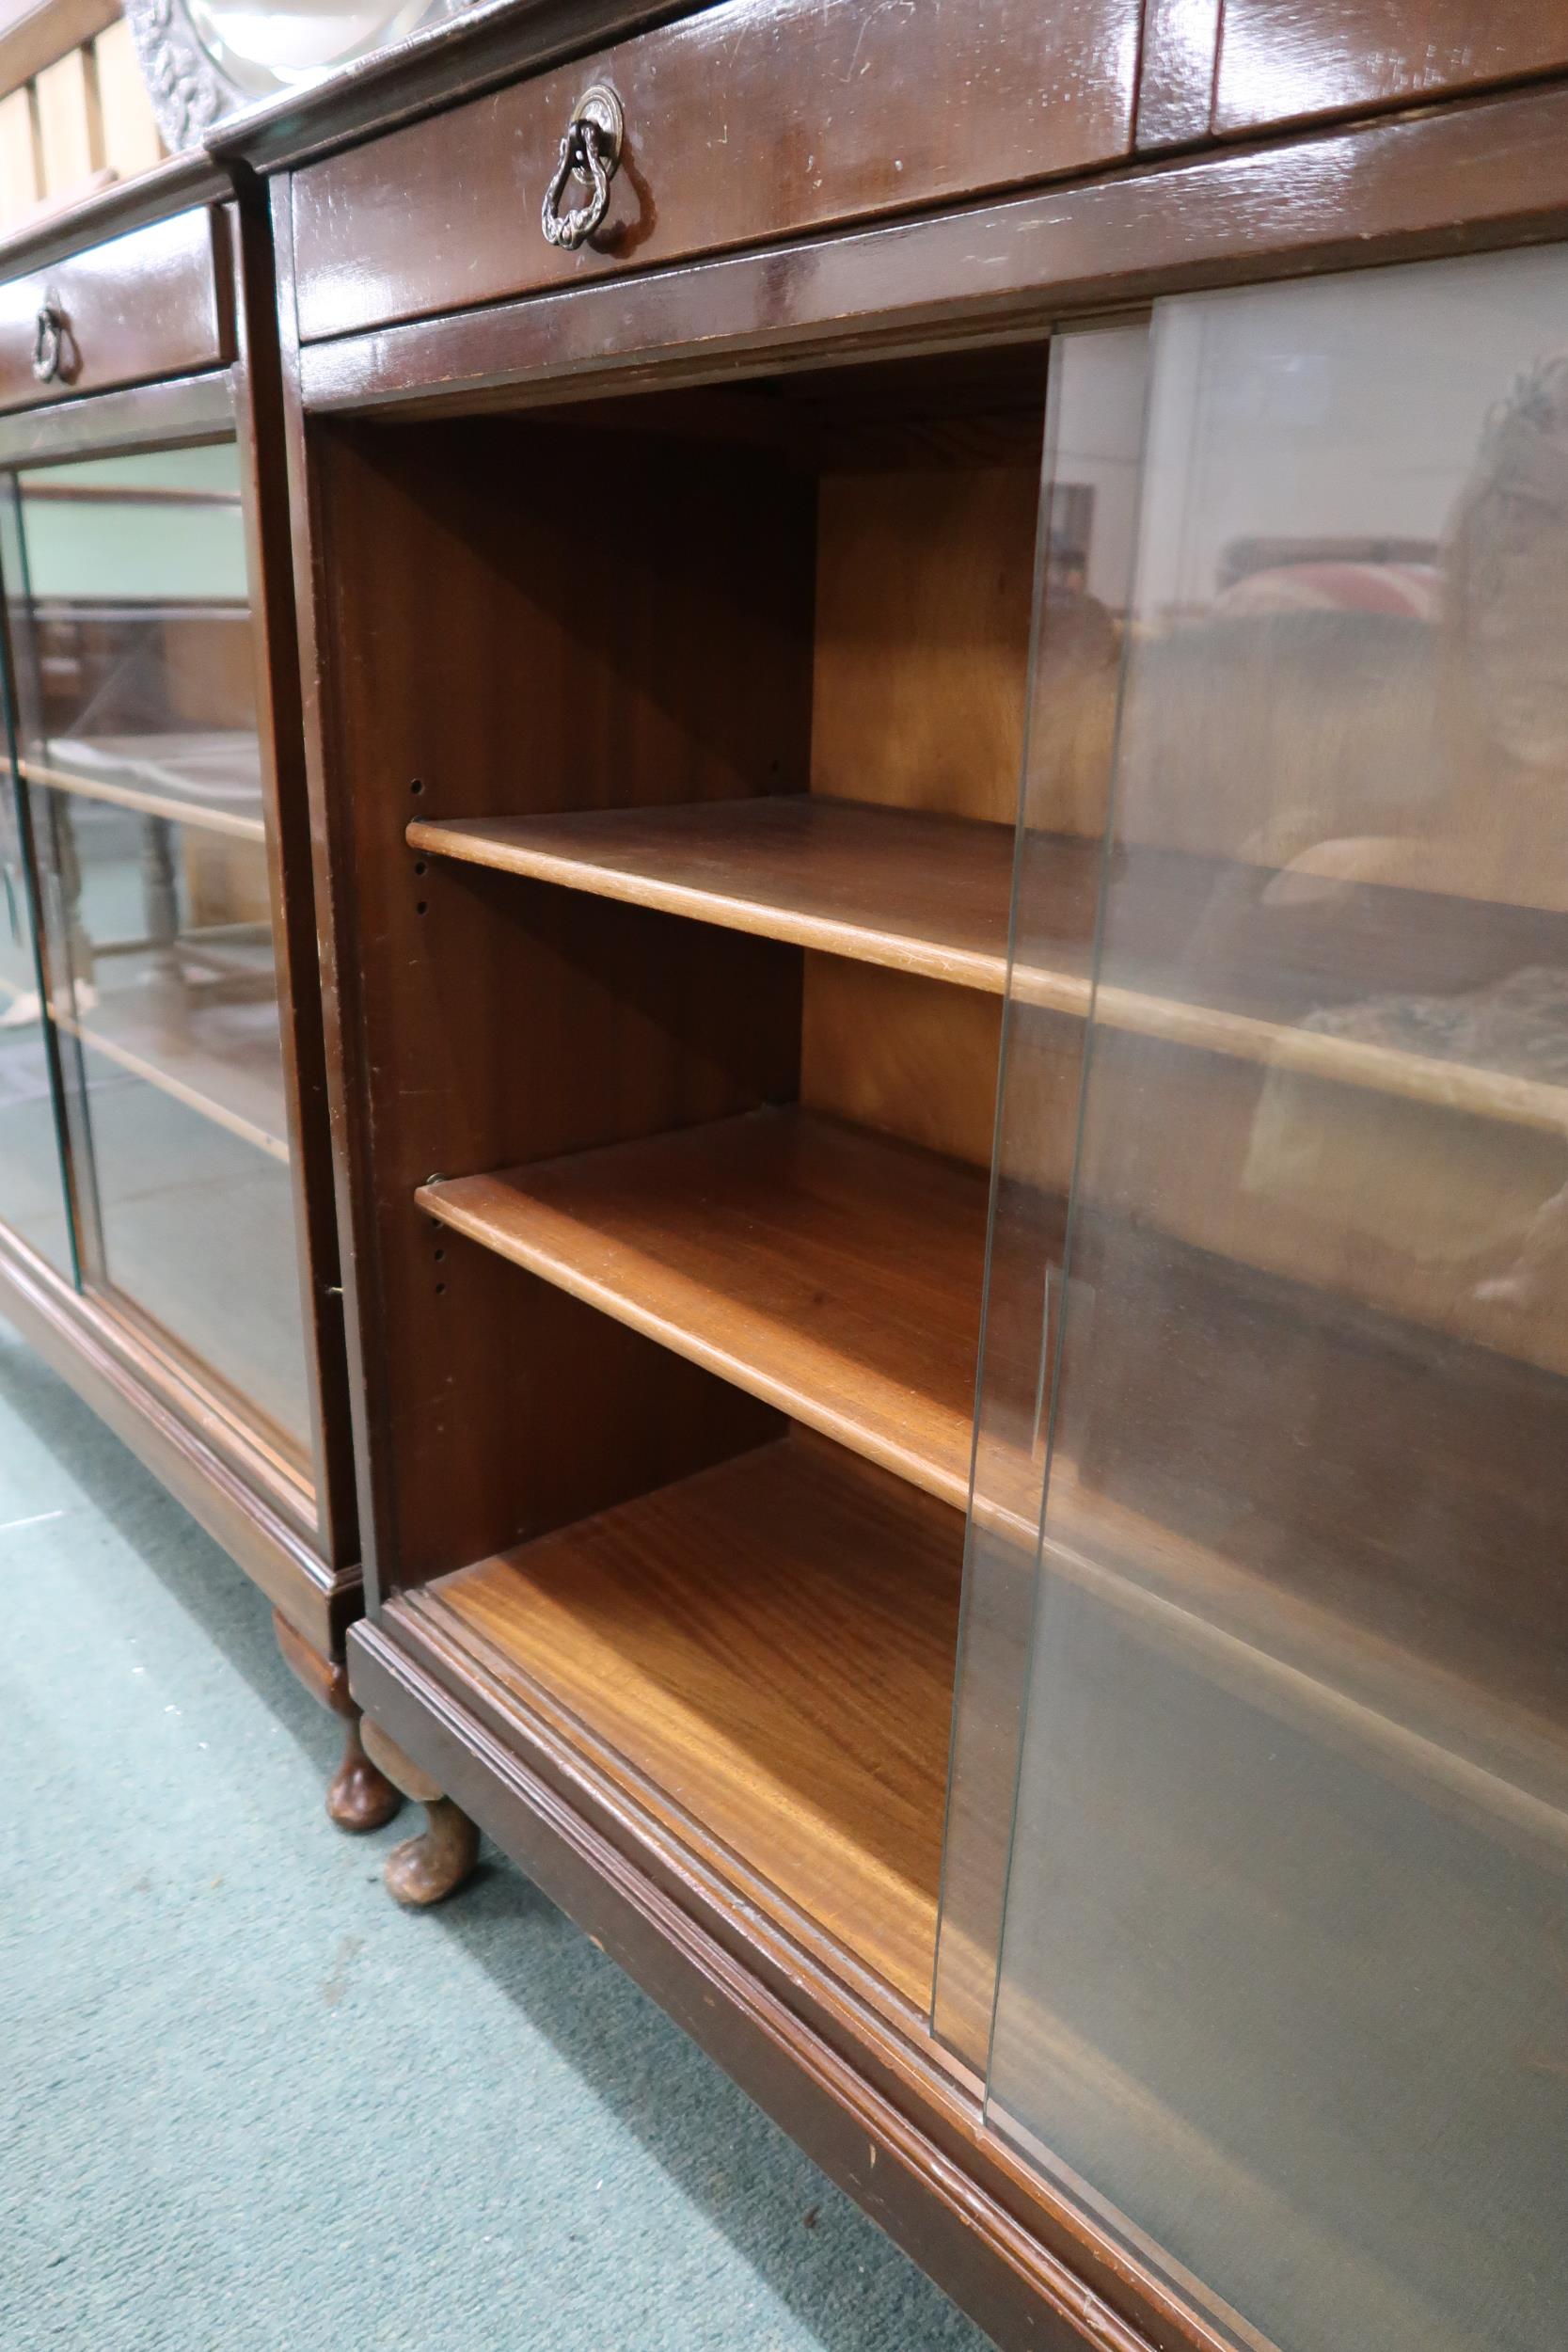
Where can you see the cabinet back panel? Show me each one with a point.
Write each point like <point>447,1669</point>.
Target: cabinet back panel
<point>925,581</point>
<point>923,596</point>
<point>909,1056</point>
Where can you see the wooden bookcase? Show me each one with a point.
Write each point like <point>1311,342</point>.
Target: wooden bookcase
<point>168,1229</point>
<point>1014,1599</point>
<point>712,1230</point>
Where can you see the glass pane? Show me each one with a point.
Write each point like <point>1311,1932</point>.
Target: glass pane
<point>1094,427</point>
<point>136,687</point>
<point>32,1164</point>
<point>1284,1987</point>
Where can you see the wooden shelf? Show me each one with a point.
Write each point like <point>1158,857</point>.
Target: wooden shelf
<point>930,895</point>
<point>221,1060</point>
<point>894,886</point>
<point>770,1646</point>
<point>830,1272</point>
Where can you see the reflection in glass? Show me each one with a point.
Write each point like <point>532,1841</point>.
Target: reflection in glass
<point>1284,1966</point>
<point>136,682</point>
<point>265,50</point>
<point>32,1168</point>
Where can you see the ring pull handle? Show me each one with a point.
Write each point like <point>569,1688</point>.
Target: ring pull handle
<point>591,154</point>
<point>48,343</point>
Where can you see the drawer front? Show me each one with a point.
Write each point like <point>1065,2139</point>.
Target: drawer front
<point>146,305</point>
<point>1286,60</point>
<point>761,120</point>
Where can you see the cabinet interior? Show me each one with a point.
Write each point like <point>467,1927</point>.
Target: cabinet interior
<point>684,918</point>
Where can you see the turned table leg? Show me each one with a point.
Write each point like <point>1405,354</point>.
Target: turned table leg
<point>427,1869</point>
<point>358,1796</point>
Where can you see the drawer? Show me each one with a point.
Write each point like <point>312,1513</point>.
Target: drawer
<point>760,119</point>
<point>1286,60</point>
<point>150,304</point>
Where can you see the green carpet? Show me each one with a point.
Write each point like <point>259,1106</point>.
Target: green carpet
<point>249,2105</point>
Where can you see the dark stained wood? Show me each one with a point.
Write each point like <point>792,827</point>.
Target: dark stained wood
<point>189,408</point>
<point>886,2118</point>
<point>264,491</point>
<point>155,303</point>
<point>747,122</point>
<point>1457,179</point>
<point>428,1868</point>
<point>236,1491</point>
<point>709,1633</point>
<point>414,1781</point>
<point>112,212</point>
<point>684,1254</point>
<point>1176,72</point>
<point>885,886</point>
<point>358,1796</point>
<point>1286,60</point>
<point>454,554</point>
<point>833,1274</point>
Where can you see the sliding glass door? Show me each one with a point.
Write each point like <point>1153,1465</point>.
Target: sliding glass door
<point>135,684</point>
<point>1257,1886</point>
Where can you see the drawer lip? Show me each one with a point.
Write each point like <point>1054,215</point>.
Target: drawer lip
<point>441,215</point>
<point>154,302</point>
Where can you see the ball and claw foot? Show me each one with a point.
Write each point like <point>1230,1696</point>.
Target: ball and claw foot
<point>427,1869</point>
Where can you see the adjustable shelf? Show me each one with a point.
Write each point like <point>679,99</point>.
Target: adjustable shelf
<point>895,887</point>
<point>930,895</point>
<point>828,1271</point>
<point>709,1636</point>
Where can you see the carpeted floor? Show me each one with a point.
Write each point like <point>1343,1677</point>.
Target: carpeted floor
<point>248,2104</point>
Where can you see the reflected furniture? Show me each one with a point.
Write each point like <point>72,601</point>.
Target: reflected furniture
<point>167,1234</point>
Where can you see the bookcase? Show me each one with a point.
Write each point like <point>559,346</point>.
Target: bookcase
<point>167,1231</point>
<point>936,761</point>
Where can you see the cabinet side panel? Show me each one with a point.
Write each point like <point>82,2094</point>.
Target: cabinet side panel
<point>521,617</point>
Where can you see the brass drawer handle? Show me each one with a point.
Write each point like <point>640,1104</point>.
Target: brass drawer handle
<point>590,152</point>
<point>48,343</point>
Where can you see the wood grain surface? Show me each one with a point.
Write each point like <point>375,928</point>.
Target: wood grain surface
<point>833,1274</point>
<point>1283,60</point>
<point>771,1644</point>
<point>881,884</point>
<point>748,123</point>
<point>157,302</point>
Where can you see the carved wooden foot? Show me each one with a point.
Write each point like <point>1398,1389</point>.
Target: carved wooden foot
<point>427,1869</point>
<point>359,1796</point>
